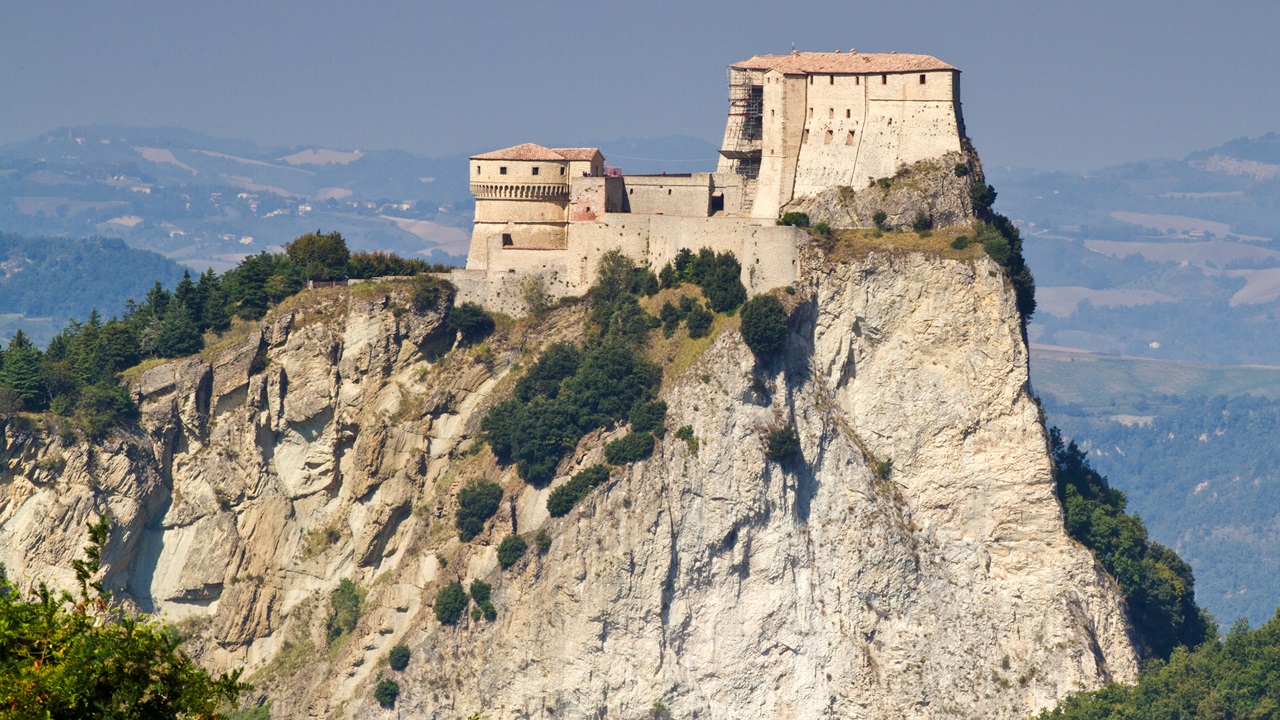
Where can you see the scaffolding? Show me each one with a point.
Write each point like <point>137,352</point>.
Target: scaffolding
<point>746,123</point>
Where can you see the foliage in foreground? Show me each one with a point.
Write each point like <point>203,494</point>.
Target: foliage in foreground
<point>81,657</point>
<point>1237,678</point>
<point>1157,585</point>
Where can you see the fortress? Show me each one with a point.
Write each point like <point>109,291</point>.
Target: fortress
<point>798,124</point>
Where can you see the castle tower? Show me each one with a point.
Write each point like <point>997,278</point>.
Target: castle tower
<point>522,198</point>
<point>804,122</point>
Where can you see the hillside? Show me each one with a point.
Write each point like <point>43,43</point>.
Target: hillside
<point>46,281</point>
<point>909,552</point>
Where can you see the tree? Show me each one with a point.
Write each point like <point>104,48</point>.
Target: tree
<point>344,604</point>
<point>386,693</point>
<point>478,500</point>
<point>179,335</point>
<point>84,657</point>
<point>21,371</point>
<point>783,443</point>
<point>450,603</point>
<point>320,256</point>
<point>398,658</point>
<point>764,326</point>
<point>470,321</point>
<point>511,549</point>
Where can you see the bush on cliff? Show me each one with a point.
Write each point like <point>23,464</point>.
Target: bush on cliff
<point>478,500</point>
<point>634,446</point>
<point>511,549</point>
<point>470,321</point>
<point>562,499</point>
<point>718,274</point>
<point>764,326</point>
<point>398,658</point>
<point>344,610</point>
<point>450,603</point>
<point>782,444</point>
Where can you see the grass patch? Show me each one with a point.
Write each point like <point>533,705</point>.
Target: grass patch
<point>679,352</point>
<point>858,243</point>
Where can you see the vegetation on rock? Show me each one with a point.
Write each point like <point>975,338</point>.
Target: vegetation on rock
<point>386,693</point>
<point>344,610</point>
<point>764,326</point>
<point>450,603</point>
<point>478,500</point>
<point>782,444</point>
<point>398,658</point>
<point>510,550</point>
<point>629,448</point>
<point>562,499</point>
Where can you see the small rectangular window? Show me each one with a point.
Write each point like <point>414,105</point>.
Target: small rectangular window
<point>857,79</point>
<point>502,170</point>
<point>831,112</point>
<point>810,113</point>
<point>922,79</point>
<point>477,169</point>
<point>506,240</point>
<point>810,79</point>
<point>832,78</point>
<point>848,112</point>
<point>804,138</point>
<point>848,139</point>
<point>827,139</point>
<point>884,79</point>
<point>561,171</point>
<point>535,170</point>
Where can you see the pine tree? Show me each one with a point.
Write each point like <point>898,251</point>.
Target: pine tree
<point>178,333</point>
<point>21,371</point>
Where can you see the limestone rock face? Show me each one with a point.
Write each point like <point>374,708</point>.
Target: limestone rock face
<point>932,188</point>
<point>910,561</point>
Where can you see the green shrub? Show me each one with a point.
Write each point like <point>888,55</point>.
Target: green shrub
<point>386,693</point>
<point>344,604</point>
<point>480,590</point>
<point>764,326</point>
<point>478,500</point>
<point>398,658</point>
<point>884,183</point>
<point>510,550</point>
<point>562,499</point>
<point>783,443</point>
<point>983,197</point>
<point>961,169</point>
<point>470,321</point>
<point>699,322</point>
<point>430,293</point>
<point>798,219</point>
<point>722,284</point>
<point>450,603</point>
<point>634,446</point>
<point>542,539</point>
<point>880,218</point>
<point>544,378</point>
<point>476,614</point>
<point>997,246</point>
<point>685,433</point>
<point>489,611</point>
<point>649,417</point>
<point>961,242</point>
<point>921,222</point>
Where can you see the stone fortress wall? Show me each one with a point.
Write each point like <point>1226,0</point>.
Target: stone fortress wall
<point>798,124</point>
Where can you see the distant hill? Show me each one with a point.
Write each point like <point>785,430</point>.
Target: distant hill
<point>46,281</point>
<point>1171,259</point>
<point>207,202</point>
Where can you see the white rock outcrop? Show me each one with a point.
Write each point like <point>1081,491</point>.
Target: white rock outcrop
<point>911,563</point>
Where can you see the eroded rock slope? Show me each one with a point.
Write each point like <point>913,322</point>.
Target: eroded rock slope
<point>910,563</point>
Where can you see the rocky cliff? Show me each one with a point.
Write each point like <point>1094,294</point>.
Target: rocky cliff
<point>911,562</point>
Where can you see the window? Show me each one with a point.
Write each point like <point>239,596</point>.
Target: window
<point>848,112</point>
<point>922,79</point>
<point>857,79</point>
<point>831,112</point>
<point>535,170</point>
<point>884,79</point>
<point>502,170</point>
<point>668,191</point>
<point>477,169</point>
<point>827,139</point>
<point>506,239</point>
<point>810,79</point>
<point>832,78</point>
<point>848,139</point>
<point>561,170</point>
<point>770,113</point>
<point>804,138</point>
<point>810,113</point>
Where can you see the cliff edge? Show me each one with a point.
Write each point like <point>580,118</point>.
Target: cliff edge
<point>910,562</point>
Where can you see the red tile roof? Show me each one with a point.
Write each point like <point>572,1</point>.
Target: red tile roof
<point>843,63</point>
<point>532,151</point>
<point>578,153</point>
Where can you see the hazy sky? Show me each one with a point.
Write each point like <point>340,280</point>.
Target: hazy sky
<point>1070,85</point>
